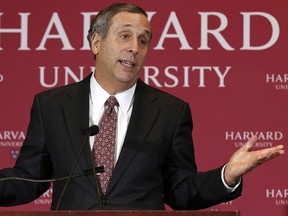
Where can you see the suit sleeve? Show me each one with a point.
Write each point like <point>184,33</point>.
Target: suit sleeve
<point>33,163</point>
<point>184,186</point>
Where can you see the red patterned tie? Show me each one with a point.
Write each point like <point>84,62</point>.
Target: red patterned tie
<point>104,145</point>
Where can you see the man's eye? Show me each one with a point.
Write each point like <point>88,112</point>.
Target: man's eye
<point>143,42</point>
<point>125,36</point>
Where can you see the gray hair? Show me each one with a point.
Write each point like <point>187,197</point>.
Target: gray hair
<point>103,20</point>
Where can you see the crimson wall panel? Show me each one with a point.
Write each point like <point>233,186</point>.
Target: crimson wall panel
<point>228,59</point>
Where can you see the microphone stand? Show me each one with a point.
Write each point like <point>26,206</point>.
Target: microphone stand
<point>91,131</point>
<point>98,190</point>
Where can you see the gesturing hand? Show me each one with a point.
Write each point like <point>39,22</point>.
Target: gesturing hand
<point>244,161</point>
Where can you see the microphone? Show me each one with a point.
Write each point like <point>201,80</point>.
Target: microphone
<point>85,173</point>
<point>91,131</point>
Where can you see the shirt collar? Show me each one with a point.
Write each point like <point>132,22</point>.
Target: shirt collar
<point>99,96</point>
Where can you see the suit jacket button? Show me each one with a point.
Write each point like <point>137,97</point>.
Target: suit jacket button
<point>106,201</point>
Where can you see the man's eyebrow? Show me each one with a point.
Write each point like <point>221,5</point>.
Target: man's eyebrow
<point>148,32</point>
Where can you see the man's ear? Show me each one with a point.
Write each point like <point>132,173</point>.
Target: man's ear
<point>95,43</point>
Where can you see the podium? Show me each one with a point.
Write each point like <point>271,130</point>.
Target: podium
<point>121,213</point>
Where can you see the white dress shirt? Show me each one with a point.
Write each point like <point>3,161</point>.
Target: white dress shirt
<point>98,97</point>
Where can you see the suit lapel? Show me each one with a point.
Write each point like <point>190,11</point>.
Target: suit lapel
<point>142,119</point>
<point>76,114</point>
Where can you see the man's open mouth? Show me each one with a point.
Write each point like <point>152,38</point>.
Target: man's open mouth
<point>127,63</point>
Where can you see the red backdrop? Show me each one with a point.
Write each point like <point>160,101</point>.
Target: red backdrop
<point>228,59</point>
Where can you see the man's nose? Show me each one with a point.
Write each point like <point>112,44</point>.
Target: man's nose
<point>133,46</point>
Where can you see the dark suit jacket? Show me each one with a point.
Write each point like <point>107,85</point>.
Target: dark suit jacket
<point>156,164</point>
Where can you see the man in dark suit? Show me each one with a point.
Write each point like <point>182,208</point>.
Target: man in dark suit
<point>154,156</point>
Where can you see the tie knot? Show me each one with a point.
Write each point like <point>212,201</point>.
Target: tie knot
<point>111,102</point>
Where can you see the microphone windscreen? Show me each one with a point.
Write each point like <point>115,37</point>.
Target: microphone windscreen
<point>93,130</point>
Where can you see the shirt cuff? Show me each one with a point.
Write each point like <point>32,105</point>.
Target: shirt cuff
<point>229,189</point>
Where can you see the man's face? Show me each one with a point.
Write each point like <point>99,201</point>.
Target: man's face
<point>120,56</point>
